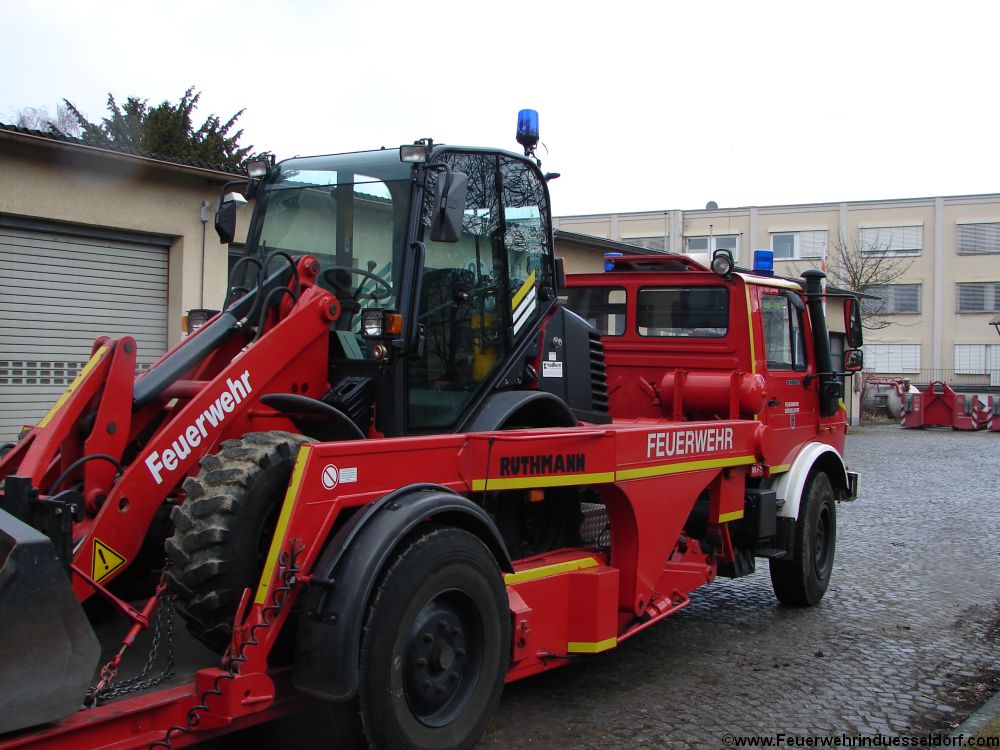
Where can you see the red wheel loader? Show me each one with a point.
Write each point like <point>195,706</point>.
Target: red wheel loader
<point>396,471</point>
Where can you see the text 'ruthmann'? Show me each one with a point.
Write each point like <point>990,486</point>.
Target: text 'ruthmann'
<point>559,463</point>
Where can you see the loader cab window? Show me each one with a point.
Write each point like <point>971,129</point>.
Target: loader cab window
<point>350,212</point>
<point>463,322</point>
<point>683,312</point>
<point>526,239</point>
<point>480,295</point>
<point>784,345</point>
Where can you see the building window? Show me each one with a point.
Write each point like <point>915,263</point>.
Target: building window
<point>978,359</point>
<point>706,244</point>
<point>979,238</point>
<point>978,297</point>
<point>894,299</point>
<point>793,245</point>
<point>970,359</point>
<point>892,240</point>
<point>659,244</point>
<point>892,358</point>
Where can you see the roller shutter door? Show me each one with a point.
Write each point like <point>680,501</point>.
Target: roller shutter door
<point>58,292</point>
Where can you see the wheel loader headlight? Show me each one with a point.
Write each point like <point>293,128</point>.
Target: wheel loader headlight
<point>377,323</point>
<point>259,168</point>
<point>371,323</point>
<point>413,154</point>
<point>195,319</point>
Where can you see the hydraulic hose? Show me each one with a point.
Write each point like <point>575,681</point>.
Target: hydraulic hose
<point>233,276</point>
<point>80,462</point>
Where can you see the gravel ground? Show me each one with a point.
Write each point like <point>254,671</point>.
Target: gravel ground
<point>906,640</point>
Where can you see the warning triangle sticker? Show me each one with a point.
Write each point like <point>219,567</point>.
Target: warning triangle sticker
<point>105,561</point>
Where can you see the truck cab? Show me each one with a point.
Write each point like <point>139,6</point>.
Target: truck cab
<point>686,343</point>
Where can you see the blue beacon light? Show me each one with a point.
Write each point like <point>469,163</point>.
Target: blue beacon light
<point>527,129</point>
<point>608,263</point>
<point>763,262</point>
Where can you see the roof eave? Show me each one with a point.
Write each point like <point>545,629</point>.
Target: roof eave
<point>213,174</point>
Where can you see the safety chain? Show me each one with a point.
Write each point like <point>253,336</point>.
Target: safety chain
<point>288,570</point>
<point>163,630</point>
<point>163,626</point>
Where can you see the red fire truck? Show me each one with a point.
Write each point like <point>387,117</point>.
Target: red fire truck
<point>396,472</point>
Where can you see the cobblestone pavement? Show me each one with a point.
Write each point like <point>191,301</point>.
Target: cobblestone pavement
<point>907,637</point>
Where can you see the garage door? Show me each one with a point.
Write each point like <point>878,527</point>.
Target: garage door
<point>58,292</point>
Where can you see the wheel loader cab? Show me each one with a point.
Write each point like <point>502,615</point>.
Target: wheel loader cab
<point>366,217</point>
<point>482,294</point>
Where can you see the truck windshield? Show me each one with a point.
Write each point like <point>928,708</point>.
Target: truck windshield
<point>350,211</point>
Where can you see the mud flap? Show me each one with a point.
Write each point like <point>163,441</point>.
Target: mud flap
<point>48,650</point>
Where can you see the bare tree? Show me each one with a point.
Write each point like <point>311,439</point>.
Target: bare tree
<point>38,118</point>
<point>868,267</point>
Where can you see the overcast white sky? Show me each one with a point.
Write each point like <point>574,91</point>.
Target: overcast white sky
<point>643,105</point>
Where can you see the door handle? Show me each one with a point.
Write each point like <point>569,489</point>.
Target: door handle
<point>773,402</point>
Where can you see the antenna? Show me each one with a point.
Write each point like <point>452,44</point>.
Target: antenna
<point>711,206</point>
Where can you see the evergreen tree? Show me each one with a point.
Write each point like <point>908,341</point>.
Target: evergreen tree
<point>166,130</point>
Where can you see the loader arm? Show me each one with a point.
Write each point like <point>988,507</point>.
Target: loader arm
<point>143,437</point>
<point>226,406</point>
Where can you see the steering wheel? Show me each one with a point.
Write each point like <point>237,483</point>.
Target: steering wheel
<point>329,276</point>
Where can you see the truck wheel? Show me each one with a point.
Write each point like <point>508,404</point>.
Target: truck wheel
<point>803,580</point>
<point>223,530</point>
<point>436,644</point>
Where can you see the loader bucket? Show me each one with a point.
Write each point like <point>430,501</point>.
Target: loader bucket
<point>48,650</point>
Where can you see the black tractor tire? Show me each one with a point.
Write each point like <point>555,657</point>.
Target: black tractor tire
<point>803,580</point>
<point>435,647</point>
<point>222,531</point>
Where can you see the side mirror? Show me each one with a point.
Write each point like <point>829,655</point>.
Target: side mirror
<point>794,299</point>
<point>854,360</point>
<point>449,206</point>
<point>852,322</point>
<point>225,217</point>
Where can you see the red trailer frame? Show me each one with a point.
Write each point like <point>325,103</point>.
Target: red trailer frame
<point>570,601</point>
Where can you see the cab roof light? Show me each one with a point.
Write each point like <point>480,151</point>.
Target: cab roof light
<point>763,262</point>
<point>722,262</point>
<point>527,130</point>
<point>609,265</point>
<point>260,167</point>
<point>414,153</point>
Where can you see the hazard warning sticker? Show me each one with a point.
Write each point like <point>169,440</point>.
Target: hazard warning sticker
<point>105,561</point>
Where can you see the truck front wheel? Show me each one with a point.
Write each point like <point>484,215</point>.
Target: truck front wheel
<point>436,644</point>
<point>803,580</point>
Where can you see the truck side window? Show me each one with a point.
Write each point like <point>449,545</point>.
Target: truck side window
<point>601,306</point>
<point>683,312</point>
<point>784,346</point>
